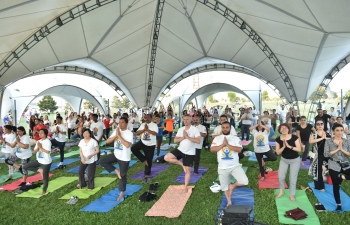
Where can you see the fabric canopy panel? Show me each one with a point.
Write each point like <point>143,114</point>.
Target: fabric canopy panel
<point>71,94</point>
<point>116,38</point>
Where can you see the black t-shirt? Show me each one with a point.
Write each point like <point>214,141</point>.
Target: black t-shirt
<point>287,152</point>
<point>305,132</point>
<point>325,118</point>
<point>295,120</point>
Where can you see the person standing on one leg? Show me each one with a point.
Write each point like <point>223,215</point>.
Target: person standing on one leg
<point>60,139</point>
<point>246,119</point>
<point>88,154</point>
<point>188,136</point>
<point>42,164</point>
<point>260,133</point>
<point>6,150</point>
<point>122,138</point>
<point>227,147</point>
<point>23,152</point>
<point>98,129</point>
<point>148,132</point>
<point>203,132</point>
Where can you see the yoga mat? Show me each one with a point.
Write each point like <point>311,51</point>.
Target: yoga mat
<point>194,178</point>
<point>108,148</point>
<point>65,162</point>
<point>171,203</point>
<point>156,169</point>
<point>232,179</point>
<point>69,154</point>
<point>252,157</point>
<point>271,181</point>
<point>167,146</point>
<point>15,176</point>
<point>108,201</point>
<point>131,163</point>
<point>161,153</point>
<point>284,204</point>
<point>83,193</point>
<point>53,185</point>
<point>272,143</point>
<point>327,198</point>
<point>104,151</point>
<point>74,170</point>
<point>240,196</point>
<point>245,143</point>
<point>306,164</point>
<point>70,144</point>
<point>15,185</point>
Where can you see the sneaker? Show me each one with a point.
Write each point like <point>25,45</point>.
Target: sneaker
<point>149,180</point>
<point>74,200</point>
<point>70,200</point>
<point>144,180</point>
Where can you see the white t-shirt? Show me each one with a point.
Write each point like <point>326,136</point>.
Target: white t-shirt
<point>58,136</point>
<point>218,130</point>
<point>261,141</point>
<point>267,121</point>
<point>344,134</point>
<point>228,118</point>
<point>247,121</point>
<point>135,122</point>
<point>227,159</point>
<point>283,113</point>
<point>186,146</point>
<point>10,138</point>
<point>201,129</point>
<point>332,114</point>
<point>47,122</point>
<point>147,138</point>
<point>97,128</point>
<point>120,151</point>
<point>24,153</point>
<point>71,123</point>
<point>88,149</point>
<point>254,113</point>
<point>42,157</point>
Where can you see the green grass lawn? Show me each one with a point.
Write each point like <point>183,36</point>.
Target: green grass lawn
<point>200,208</point>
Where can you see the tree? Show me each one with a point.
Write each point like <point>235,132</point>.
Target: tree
<point>47,103</point>
<point>243,99</point>
<point>347,95</point>
<point>335,95</point>
<point>89,105</point>
<point>68,107</point>
<point>232,96</point>
<point>265,96</point>
<point>211,99</point>
<point>318,97</point>
<point>118,103</point>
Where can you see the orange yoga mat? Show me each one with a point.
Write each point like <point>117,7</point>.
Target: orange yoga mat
<point>271,181</point>
<point>171,203</point>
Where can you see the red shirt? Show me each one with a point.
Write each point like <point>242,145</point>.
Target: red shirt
<point>106,122</point>
<point>36,131</point>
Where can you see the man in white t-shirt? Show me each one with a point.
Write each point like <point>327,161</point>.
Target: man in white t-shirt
<point>282,113</point>
<point>188,136</point>
<point>203,132</point>
<point>148,132</point>
<point>218,131</point>
<point>227,148</point>
<point>122,138</point>
<point>246,119</point>
<point>255,114</point>
<point>98,129</point>
<point>60,132</point>
<point>227,114</point>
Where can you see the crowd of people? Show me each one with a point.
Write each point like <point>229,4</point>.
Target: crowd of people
<point>142,134</point>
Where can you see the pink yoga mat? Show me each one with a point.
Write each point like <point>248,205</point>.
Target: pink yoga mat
<point>245,143</point>
<point>271,181</point>
<point>15,185</point>
<point>171,203</point>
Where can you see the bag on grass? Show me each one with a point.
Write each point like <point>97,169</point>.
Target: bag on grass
<point>147,197</point>
<point>296,214</point>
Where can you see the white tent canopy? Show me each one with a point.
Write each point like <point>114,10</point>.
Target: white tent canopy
<point>141,45</point>
<point>14,100</point>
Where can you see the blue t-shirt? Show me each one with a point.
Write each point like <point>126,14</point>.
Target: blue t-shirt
<point>160,130</point>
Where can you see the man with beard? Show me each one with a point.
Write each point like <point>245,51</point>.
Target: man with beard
<point>227,147</point>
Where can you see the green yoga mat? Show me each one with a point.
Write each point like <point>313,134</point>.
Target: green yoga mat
<point>84,193</point>
<point>15,176</point>
<point>53,185</point>
<point>232,179</point>
<point>285,204</point>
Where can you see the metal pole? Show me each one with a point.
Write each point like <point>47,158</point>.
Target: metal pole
<point>341,104</point>
<point>180,115</point>
<point>108,106</point>
<point>15,117</point>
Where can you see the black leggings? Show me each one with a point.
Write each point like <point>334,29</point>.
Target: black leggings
<point>159,142</point>
<point>337,180</point>
<point>197,158</point>
<point>34,166</point>
<point>271,156</point>
<point>90,173</point>
<point>70,131</point>
<point>148,154</point>
<point>170,135</point>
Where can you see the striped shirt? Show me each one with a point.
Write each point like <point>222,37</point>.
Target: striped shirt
<point>338,156</point>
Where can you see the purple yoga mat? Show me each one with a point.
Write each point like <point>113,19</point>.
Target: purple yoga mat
<point>306,164</point>
<point>194,178</point>
<point>156,169</point>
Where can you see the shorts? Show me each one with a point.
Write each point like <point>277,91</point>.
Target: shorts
<point>237,172</point>
<point>187,160</point>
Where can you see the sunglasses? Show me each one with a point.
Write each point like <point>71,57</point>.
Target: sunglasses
<point>319,124</point>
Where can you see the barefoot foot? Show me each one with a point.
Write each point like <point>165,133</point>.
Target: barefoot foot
<point>228,204</point>
<point>280,194</point>
<point>185,189</point>
<point>292,198</point>
<point>121,196</point>
<point>42,193</point>
<point>78,186</point>
<point>262,178</point>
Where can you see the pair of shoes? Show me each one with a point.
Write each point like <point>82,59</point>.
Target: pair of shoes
<point>73,200</point>
<point>153,187</point>
<point>61,166</point>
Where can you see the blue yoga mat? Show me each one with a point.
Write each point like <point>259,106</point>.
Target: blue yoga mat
<point>65,162</point>
<point>161,153</point>
<point>327,198</point>
<point>240,196</point>
<point>252,158</point>
<point>132,162</point>
<point>108,201</point>
<point>74,170</point>
<point>104,151</point>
